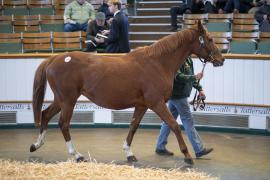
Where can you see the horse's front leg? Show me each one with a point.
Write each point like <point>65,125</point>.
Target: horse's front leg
<point>164,113</point>
<point>136,119</point>
<point>64,122</point>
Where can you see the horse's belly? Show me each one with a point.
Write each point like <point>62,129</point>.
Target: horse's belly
<point>115,97</point>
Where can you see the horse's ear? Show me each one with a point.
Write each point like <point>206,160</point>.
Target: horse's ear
<point>200,27</point>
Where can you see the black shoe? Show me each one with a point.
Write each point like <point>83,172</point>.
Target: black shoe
<point>164,152</point>
<point>204,152</point>
<point>173,29</point>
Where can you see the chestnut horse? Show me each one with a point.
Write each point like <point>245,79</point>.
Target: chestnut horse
<point>142,79</point>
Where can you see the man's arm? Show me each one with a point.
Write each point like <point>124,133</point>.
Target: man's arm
<point>183,77</point>
<point>90,34</point>
<point>259,15</point>
<point>197,86</point>
<point>92,14</point>
<point>67,14</point>
<point>114,32</point>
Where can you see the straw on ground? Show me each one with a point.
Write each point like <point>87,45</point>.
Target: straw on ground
<point>92,170</point>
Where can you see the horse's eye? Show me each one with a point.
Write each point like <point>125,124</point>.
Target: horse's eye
<point>211,39</point>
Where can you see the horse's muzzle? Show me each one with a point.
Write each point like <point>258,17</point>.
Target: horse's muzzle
<point>217,63</point>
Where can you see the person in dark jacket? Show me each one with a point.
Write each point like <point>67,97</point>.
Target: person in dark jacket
<point>95,27</point>
<point>238,6</point>
<point>214,6</point>
<point>257,4</point>
<point>191,6</point>
<point>263,17</point>
<point>118,38</point>
<point>178,105</point>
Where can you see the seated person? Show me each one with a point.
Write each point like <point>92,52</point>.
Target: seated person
<point>118,36</point>
<point>97,26</point>
<point>263,17</point>
<point>238,6</point>
<point>77,15</point>
<point>105,9</point>
<point>124,7</point>
<point>257,4</point>
<point>194,7</point>
<point>214,6</point>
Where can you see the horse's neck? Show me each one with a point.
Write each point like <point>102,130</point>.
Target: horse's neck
<point>172,61</point>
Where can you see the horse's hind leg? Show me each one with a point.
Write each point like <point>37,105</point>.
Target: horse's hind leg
<point>64,122</point>
<point>47,114</point>
<point>136,119</point>
<point>163,112</point>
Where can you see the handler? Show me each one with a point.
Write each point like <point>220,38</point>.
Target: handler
<point>178,105</point>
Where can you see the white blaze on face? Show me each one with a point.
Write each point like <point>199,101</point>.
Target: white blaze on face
<point>67,59</point>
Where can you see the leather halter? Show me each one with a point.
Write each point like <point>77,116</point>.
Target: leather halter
<point>210,57</point>
<point>198,101</point>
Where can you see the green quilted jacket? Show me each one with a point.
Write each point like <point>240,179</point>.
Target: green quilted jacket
<point>185,80</point>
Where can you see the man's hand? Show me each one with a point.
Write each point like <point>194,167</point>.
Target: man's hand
<point>220,11</point>
<point>199,76</point>
<point>105,32</point>
<point>201,94</point>
<point>109,21</point>
<point>89,20</point>
<point>69,21</point>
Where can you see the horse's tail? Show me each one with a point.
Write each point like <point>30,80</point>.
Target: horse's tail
<point>39,89</point>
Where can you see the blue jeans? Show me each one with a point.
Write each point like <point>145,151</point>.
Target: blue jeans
<point>180,107</point>
<point>232,4</point>
<point>236,4</point>
<point>75,27</point>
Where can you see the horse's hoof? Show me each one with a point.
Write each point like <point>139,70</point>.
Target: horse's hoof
<point>189,161</point>
<point>33,148</point>
<point>132,159</point>
<point>81,159</point>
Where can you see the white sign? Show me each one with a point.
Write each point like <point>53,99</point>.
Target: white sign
<point>239,110</point>
<point>84,106</point>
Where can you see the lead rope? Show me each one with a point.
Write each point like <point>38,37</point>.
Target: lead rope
<point>198,101</point>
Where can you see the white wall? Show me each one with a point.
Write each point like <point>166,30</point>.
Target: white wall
<point>16,79</point>
<point>238,81</point>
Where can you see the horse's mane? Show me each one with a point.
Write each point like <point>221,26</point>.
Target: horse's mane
<point>168,44</point>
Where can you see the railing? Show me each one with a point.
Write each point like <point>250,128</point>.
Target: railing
<point>45,55</point>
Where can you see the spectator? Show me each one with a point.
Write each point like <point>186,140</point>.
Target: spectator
<point>257,4</point>
<point>194,6</point>
<point>118,40</point>
<point>77,15</point>
<point>124,7</point>
<point>238,6</point>
<point>178,105</point>
<point>98,26</point>
<point>263,17</point>
<point>105,9</point>
<point>213,6</point>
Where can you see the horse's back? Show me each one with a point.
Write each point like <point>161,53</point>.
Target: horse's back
<point>103,79</point>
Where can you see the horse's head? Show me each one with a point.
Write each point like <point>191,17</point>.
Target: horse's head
<point>205,47</point>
